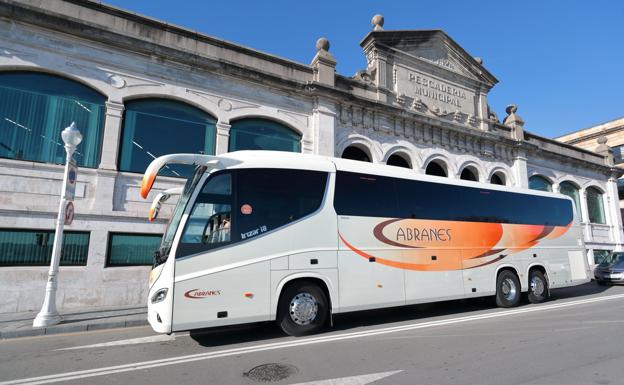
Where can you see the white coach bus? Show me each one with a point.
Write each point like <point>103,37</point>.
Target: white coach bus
<point>259,236</point>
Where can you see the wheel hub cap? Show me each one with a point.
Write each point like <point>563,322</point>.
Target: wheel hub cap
<point>537,286</point>
<point>303,308</point>
<point>508,289</point>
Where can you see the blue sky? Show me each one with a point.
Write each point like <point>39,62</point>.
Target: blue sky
<point>561,62</point>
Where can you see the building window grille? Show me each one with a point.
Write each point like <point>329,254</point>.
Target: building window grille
<point>156,127</point>
<point>262,134</point>
<point>34,247</point>
<point>132,249</point>
<point>36,107</point>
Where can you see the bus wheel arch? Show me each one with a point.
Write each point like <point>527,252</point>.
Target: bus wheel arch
<point>538,284</point>
<point>508,288</point>
<point>303,306</point>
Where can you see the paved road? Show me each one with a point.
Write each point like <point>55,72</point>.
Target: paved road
<point>575,338</point>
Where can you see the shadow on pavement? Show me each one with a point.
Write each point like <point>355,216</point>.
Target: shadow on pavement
<point>344,322</point>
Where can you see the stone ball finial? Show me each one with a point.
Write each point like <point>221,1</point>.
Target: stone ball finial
<point>602,139</point>
<point>511,109</point>
<point>378,22</point>
<point>479,60</point>
<point>322,44</point>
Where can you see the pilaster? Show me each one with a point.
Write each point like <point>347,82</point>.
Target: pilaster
<point>223,137</point>
<point>112,135</point>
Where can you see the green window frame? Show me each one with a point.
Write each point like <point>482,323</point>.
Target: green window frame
<point>539,183</point>
<point>595,206</point>
<point>155,127</point>
<point>35,107</point>
<point>131,249</point>
<point>569,189</point>
<point>263,134</point>
<point>27,247</point>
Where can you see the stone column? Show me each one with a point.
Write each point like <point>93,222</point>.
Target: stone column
<point>103,202</point>
<point>483,111</point>
<point>520,170</point>
<point>112,135</point>
<point>612,210</point>
<point>223,137</point>
<point>611,200</point>
<point>324,126</point>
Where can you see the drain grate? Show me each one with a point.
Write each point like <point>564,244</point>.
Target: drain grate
<point>271,372</point>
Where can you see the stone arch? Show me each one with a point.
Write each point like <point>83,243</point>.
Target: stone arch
<point>85,81</point>
<point>193,102</point>
<point>401,151</point>
<point>501,171</point>
<point>440,158</point>
<point>472,165</point>
<point>361,142</point>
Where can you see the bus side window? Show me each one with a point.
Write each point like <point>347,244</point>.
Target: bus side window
<point>271,198</point>
<point>209,222</point>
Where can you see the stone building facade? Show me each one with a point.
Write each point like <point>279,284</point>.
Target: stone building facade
<point>421,103</point>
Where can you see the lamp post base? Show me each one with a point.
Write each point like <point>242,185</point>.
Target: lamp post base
<point>46,319</point>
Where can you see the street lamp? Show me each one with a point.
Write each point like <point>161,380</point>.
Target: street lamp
<point>48,314</point>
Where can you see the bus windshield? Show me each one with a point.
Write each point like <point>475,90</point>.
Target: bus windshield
<point>165,245</point>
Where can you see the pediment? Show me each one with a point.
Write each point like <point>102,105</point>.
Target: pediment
<point>432,47</point>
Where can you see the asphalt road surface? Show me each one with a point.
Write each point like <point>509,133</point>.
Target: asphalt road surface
<point>577,337</point>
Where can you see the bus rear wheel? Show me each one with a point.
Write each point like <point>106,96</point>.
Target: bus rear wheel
<point>302,309</point>
<point>538,287</point>
<point>507,289</point>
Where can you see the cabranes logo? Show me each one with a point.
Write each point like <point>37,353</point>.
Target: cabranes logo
<point>199,293</point>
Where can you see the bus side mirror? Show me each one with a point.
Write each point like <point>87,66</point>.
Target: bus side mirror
<point>158,201</point>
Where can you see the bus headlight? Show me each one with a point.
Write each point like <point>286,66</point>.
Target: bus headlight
<point>159,295</point>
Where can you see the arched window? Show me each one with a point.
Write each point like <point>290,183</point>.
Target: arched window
<point>436,168</point>
<point>262,134</point>
<point>355,153</point>
<point>595,207</point>
<point>540,183</point>
<point>155,127</point>
<point>498,178</point>
<point>398,160</point>
<point>35,108</point>
<point>567,188</point>
<point>469,173</point>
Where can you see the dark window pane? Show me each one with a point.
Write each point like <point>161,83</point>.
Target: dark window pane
<point>209,224</point>
<point>595,206</point>
<point>497,179</point>
<point>539,183</point>
<point>618,154</point>
<point>262,134</point>
<point>36,107</point>
<point>399,161</point>
<point>435,169</point>
<point>567,188</point>
<point>156,127</point>
<point>365,195</point>
<point>374,196</point>
<point>270,198</point>
<point>468,174</point>
<point>355,153</point>
<point>34,247</point>
<point>132,249</point>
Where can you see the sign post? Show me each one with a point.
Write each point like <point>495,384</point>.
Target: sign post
<point>48,314</point>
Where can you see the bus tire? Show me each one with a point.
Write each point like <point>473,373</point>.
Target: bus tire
<point>302,309</point>
<point>507,289</point>
<point>538,287</point>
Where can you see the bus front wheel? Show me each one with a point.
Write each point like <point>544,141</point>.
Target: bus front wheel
<point>302,309</point>
<point>507,289</point>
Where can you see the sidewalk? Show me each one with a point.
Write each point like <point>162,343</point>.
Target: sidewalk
<point>13,325</point>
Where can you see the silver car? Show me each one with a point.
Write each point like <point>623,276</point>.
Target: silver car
<point>611,269</point>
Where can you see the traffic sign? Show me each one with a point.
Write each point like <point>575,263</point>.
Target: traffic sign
<point>72,175</point>
<point>69,213</point>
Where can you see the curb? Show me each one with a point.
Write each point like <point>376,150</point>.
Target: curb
<point>57,329</point>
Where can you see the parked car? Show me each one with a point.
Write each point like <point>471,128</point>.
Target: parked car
<point>611,269</point>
